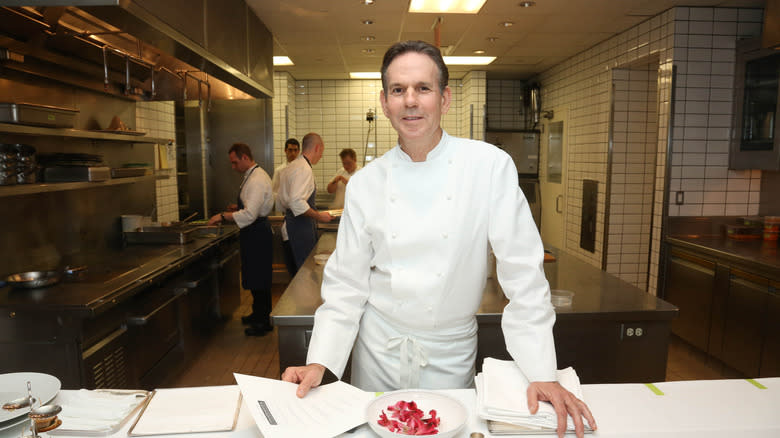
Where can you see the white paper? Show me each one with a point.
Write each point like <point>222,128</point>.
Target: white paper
<point>189,410</point>
<point>325,412</point>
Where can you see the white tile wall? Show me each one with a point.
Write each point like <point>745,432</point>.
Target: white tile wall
<point>699,42</point>
<point>336,109</point>
<point>632,180</point>
<point>157,120</point>
<point>505,107</point>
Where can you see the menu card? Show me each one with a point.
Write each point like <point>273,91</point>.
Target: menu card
<point>326,411</point>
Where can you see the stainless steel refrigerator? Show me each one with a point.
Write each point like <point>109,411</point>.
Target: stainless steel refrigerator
<point>523,147</point>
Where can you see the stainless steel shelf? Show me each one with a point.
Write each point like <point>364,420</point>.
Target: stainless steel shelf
<point>12,128</point>
<point>29,189</point>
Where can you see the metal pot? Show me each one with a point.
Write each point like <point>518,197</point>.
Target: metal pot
<point>8,177</point>
<point>27,175</point>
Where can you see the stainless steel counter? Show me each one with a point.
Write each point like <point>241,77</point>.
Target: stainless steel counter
<point>592,334</point>
<point>110,277</point>
<point>597,293</point>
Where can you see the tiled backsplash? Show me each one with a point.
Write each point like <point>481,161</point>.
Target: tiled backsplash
<point>157,120</point>
<point>336,109</point>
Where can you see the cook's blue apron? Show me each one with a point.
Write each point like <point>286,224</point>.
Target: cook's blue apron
<point>256,251</point>
<point>302,231</point>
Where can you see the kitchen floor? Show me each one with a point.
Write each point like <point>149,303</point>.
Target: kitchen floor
<point>229,351</point>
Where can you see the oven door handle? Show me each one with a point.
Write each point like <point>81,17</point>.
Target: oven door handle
<point>142,320</point>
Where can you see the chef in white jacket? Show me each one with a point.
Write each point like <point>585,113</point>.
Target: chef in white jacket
<point>406,279</point>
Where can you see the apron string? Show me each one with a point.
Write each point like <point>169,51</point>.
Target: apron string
<point>410,361</point>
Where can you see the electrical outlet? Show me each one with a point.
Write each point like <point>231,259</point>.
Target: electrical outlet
<point>679,197</point>
<point>631,331</point>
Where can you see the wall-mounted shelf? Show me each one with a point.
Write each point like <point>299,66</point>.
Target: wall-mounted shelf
<point>29,189</point>
<point>12,128</point>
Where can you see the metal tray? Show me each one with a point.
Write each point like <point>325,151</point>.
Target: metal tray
<point>76,173</point>
<point>143,398</point>
<point>40,115</point>
<point>166,235</point>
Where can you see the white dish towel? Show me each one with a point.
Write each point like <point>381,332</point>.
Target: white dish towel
<point>501,395</point>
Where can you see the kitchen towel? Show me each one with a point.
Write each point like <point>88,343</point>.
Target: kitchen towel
<point>96,412</point>
<point>501,395</point>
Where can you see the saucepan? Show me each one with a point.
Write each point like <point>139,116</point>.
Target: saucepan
<point>36,279</point>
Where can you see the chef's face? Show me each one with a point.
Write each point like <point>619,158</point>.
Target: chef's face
<point>291,150</point>
<point>413,102</point>
<point>240,165</point>
<point>349,163</point>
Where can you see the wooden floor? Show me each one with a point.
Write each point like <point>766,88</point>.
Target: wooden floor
<point>229,351</point>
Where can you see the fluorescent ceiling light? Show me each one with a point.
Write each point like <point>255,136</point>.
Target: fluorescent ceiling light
<point>468,60</point>
<point>365,75</point>
<point>282,60</point>
<point>446,6</point>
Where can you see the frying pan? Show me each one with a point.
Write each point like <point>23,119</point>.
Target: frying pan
<point>36,279</point>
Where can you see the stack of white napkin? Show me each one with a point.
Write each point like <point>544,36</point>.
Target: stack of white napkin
<point>501,395</point>
<point>96,411</point>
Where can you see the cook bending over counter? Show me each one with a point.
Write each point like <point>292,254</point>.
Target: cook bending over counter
<point>405,280</point>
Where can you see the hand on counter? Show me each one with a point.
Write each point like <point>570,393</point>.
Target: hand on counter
<point>220,218</point>
<point>565,404</point>
<point>306,377</point>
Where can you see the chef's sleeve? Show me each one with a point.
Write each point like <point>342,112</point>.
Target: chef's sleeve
<point>529,317</point>
<point>344,290</point>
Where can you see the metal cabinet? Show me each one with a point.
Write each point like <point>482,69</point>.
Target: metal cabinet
<point>742,330</point>
<point>770,352</point>
<point>689,286</point>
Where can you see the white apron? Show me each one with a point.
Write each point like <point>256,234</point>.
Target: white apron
<point>392,352</point>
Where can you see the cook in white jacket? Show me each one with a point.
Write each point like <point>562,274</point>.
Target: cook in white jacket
<point>406,278</point>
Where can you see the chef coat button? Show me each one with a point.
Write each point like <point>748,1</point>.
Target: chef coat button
<point>444,235</point>
<point>392,198</point>
<point>449,197</point>
<point>450,161</point>
<point>393,235</point>
<point>438,274</point>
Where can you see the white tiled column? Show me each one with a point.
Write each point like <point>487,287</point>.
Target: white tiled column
<point>157,120</point>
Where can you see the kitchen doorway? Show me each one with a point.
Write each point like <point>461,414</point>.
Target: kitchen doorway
<point>552,177</point>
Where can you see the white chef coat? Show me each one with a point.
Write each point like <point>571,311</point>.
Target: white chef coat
<point>296,184</point>
<point>277,207</point>
<point>256,195</point>
<point>338,196</point>
<point>411,262</point>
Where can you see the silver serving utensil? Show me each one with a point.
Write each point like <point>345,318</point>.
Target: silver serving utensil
<point>47,411</point>
<point>19,403</point>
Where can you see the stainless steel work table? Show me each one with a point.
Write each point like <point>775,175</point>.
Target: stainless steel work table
<point>591,335</point>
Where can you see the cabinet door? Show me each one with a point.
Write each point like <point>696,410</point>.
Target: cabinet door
<point>689,286</point>
<point>743,327</point>
<point>770,354</point>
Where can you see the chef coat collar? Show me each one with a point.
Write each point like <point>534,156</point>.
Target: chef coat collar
<point>436,152</point>
<point>246,175</point>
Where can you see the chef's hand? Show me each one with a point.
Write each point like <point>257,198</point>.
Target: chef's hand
<point>306,377</point>
<point>565,404</point>
<point>324,216</point>
<point>217,218</point>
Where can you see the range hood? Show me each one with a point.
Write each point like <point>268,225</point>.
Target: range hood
<point>142,49</point>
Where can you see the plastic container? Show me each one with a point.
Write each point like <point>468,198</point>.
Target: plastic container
<point>742,232</point>
<point>561,298</point>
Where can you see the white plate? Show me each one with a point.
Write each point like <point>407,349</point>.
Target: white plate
<point>15,423</point>
<point>44,389</point>
<point>452,413</point>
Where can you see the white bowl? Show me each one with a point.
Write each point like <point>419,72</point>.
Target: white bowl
<point>320,259</point>
<point>561,298</point>
<point>452,413</point>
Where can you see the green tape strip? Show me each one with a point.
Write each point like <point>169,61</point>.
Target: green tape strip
<point>756,384</point>
<point>377,394</point>
<point>654,388</point>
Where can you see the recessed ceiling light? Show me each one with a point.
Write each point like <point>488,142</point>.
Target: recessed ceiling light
<point>507,23</point>
<point>479,52</point>
<point>367,2</point>
<point>367,21</point>
<point>448,7</point>
<point>468,60</point>
<point>365,75</point>
<point>526,4</point>
<point>492,39</point>
<point>368,38</point>
<point>282,60</point>
<point>368,51</point>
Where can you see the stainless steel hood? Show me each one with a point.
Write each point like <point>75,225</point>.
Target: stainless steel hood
<point>171,50</point>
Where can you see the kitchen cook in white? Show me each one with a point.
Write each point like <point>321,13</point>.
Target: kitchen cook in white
<point>410,264</point>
